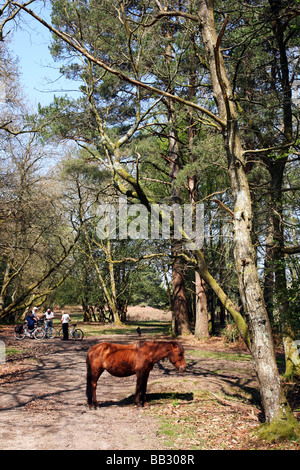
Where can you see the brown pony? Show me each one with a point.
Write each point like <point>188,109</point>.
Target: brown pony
<point>125,360</point>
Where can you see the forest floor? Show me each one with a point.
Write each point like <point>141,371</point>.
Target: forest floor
<point>213,405</point>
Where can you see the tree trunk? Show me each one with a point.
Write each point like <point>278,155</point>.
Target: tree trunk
<point>201,314</point>
<point>262,346</point>
<point>5,283</point>
<point>268,287</point>
<point>113,298</point>
<point>201,324</point>
<point>276,169</point>
<point>180,307</point>
<point>282,304</point>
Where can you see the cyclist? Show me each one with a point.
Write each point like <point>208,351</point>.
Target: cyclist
<point>30,320</point>
<point>49,315</point>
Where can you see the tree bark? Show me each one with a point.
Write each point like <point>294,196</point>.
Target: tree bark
<point>268,287</point>
<point>276,169</point>
<point>180,307</point>
<point>262,346</point>
<point>201,313</point>
<point>180,322</point>
<point>201,324</point>
<point>180,310</point>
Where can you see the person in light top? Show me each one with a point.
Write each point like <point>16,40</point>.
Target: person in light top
<point>65,319</point>
<point>49,315</point>
<point>34,312</point>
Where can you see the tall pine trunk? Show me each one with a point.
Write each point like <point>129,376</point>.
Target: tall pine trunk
<point>262,347</point>
<point>180,323</point>
<point>201,323</point>
<point>268,287</point>
<point>180,307</point>
<point>201,313</point>
<point>276,169</point>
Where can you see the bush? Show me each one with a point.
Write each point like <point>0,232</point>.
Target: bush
<point>230,333</point>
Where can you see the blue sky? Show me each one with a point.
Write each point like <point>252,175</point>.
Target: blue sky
<point>40,77</point>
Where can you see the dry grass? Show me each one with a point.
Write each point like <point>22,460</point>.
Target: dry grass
<point>148,314</point>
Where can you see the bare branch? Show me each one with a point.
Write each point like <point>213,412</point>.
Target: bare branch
<point>291,250</point>
<point>224,207</point>
<point>82,50</point>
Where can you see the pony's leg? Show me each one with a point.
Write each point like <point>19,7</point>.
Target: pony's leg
<point>144,388</point>
<point>141,386</point>
<point>94,386</point>
<point>92,379</point>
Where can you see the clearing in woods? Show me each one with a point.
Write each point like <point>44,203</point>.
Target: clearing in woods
<point>213,405</point>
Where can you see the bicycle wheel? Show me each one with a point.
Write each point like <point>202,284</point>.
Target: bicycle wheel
<point>77,334</point>
<point>19,335</point>
<point>61,334</point>
<point>39,333</point>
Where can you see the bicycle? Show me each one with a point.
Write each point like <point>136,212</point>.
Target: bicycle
<point>21,332</point>
<point>74,333</point>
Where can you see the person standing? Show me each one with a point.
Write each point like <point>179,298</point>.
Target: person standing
<point>65,319</point>
<point>49,315</point>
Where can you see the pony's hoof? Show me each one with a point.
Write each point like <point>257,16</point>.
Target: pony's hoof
<point>141,405</point>
<point>93,405</point>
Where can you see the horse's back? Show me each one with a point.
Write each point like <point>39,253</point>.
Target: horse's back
<point>118,359</point>
<point>107,348</point>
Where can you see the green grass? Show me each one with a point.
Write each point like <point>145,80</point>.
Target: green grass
<point>175,433</point>
<point>12,351</point>
<point>179,430</point>
<point>97,329</point>
<point>219,355</point>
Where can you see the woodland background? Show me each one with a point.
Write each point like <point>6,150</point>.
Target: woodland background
<point>154,121</point>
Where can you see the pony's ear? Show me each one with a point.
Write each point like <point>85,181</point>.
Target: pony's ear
<point>177,345</point>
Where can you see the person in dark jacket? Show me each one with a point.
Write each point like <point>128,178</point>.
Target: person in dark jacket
<point>30,321</point>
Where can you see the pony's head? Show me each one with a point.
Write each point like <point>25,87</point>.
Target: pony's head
<point>176,356</point>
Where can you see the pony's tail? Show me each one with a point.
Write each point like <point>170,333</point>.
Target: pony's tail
<point>89,381</point>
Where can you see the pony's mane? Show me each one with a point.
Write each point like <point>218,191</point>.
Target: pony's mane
<point>140,344</point>
<point>179,345</point>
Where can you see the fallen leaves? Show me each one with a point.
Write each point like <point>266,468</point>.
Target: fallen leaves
<point>210,421</point>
